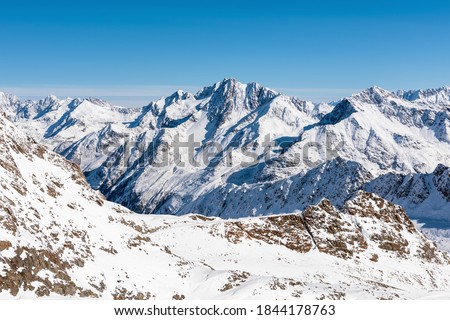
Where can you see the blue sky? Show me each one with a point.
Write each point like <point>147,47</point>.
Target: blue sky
<point>318,50</point>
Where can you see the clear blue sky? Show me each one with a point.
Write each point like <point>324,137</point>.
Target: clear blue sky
<point>313,49</point>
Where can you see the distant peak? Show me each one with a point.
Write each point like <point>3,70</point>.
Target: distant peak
<point>232,82</point>
<point>440,96</point>
<point>374,94</point>
<point>8,96</point>
<point>227,84</point>
<point>99,102</point>
<point>377,89</point>
<point>231,85</point>
<point>443,88</point>
<point>228,81</point>
<point>178,96</point>
<point>49,99</point>
<point>220,86</point>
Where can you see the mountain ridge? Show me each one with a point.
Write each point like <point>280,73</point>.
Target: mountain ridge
<point>119,152</point>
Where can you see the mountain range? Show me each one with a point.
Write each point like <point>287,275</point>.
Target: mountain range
<point>374,140</point>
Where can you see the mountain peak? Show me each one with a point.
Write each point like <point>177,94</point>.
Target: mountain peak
<point>50,99</point>
<point>231,86</point>
<point>228,81</point>
<point>228,86</point>
<point>376,90</point>
<point>8,98</point>
<point>99,102</point>
<point>177,96</point>
<point>439,96</point>
<point>373,95</point>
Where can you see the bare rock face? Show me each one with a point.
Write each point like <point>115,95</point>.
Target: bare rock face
<point>4,245</point>
<point>284,230</point>
<point>331,233</point>
<point>26,270</point>
<point>369,205</point>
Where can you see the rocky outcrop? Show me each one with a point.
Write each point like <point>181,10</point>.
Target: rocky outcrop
<point>41,271</point>
<point>331,233</point>
<point>285,230</point>
<point>365,226</point>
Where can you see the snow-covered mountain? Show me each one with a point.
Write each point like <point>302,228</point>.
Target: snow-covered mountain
<point>63,122</point>
<point>337,180</point>
<point>117,155</point>
<point>58,237</point>
<point>440,96</point>
<point>129,154</point>
<point>425,196</point>
<point>385,133</point>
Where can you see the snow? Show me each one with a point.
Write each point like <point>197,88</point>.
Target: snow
<point>440,96</point>
<point>160,256</point>
<point>401,133</point>
<point>390,144</point>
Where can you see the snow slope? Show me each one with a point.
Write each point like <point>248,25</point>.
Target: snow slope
<point>384,133</point>
<point>63,122</point>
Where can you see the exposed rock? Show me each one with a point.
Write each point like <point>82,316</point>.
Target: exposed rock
<point>4,245</point>
<point>23,271</point>
<point>285,230</point>
<point>331,233</point>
